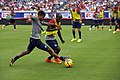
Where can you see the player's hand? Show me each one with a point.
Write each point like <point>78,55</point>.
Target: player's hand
<point>80,21</point>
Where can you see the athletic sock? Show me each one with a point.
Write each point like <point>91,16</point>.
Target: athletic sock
<point>14,26</point>
<point>115,27</point>
<point>73,34</point>
<point>110,27</point>
<point>50,57</point>
<point>61,58</point>
<point>79,34</point>
<point>15,58</point>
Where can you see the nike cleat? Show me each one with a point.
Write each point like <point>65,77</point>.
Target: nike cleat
<point>58,60</point>
<point>11,62</point>
<point>79,40</point>
<point>49,61</point>
<point>74,39</point>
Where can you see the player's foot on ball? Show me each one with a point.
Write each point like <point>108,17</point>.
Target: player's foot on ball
<point>49,61</point>
<point>114,32</point>
<point>11,62</point>
<point>64,58</point>
<point>74,39</point>
<point>3,26</point>
<point>110,29</point>
<point>79,40</point>
<point>58,60</point>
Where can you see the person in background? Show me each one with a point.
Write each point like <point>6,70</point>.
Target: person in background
<point>10,18</point>
<point>76,22</point>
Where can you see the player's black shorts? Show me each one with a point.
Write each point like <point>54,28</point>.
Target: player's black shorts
<point>53,44</point>
<point>76,25</point>
<point>118,20</point>
<point>37,43</point>
<point>12,21</point>
<point>101,21</point>
<point>95,22</point>
<point>113,20</point>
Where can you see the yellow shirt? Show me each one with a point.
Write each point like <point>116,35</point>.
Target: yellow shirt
<point>113,14</point>
<point>75,15</point>
<point>101,14</point>
<point>55,31</point>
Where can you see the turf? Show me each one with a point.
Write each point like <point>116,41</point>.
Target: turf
<point>97,57</point>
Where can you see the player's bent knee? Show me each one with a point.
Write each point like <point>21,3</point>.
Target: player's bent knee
<point>57,50</point>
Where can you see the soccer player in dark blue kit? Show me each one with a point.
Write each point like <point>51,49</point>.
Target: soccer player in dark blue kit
<point>35,39</point>
<point>95,20</point>
<point>51,32</point>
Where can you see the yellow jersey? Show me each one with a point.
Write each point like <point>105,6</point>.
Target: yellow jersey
<point>75,15</point>
<point>101,14</point>
<point>53,32</point>
<point>113,14</point>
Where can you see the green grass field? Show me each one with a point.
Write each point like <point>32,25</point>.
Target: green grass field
<point>97,57</point>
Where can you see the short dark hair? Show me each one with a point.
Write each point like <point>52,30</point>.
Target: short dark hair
<point>41,13</point>
<point>58,15</point>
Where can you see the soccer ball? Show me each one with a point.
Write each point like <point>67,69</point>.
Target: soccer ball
<point>68,63</point>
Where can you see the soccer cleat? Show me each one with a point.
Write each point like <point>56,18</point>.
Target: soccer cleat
<point>63,58</point>
<point>102,28</point>
<point>49,61</point>
<point>118,30</point>
<point>79,40</point>
<point>114,32</point>
<point>97,28</point>
<point>110,29</point>
<point>3,26</point>
<point>58,60</point>
<point>90,29</point>
<point>74,39</point>
<point>11,62</point>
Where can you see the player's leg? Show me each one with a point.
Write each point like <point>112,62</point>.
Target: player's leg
<point>102,22</point>
<point>44,47</point>
<point>97,24</point>
<point>117,25</point>
<point>79,31</point>
<point>54,45</point>
<point>111,22</point>
<point>91,25</point>
<point>73,31</point>
<point>14,23</point>
<point>6,24</point>
<point>29,49</point>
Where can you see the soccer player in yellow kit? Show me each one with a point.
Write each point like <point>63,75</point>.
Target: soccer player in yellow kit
<point>101,18</point>
<point>50,37</point>
<point>113,15</point>
<point>117,25</point>
<point>76,22</point>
